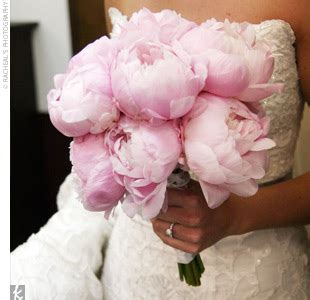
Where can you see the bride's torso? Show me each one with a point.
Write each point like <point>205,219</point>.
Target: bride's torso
<point>258,265</point>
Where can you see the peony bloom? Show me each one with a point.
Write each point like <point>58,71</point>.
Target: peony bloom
<point>81,102</point>
<point>225,145</point>
<point>152,82</point>
<point>91,163</point>
<point>237,66</point>
<point>163,27</point>
<point>143,157</point>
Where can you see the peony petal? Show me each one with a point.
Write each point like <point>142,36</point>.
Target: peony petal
<point>244,145</point>
<point>215,195</point>
<point>258,92</point>
<point>203,162</point>
<point>259,163</point>
<point>223,69</point>
<point>263,144</point>
<point>74,129</point>
<point>152,207</point>
<point>129,206</point>
<point>261,65</point>
<point>243,189</point>
<point>180,107</point>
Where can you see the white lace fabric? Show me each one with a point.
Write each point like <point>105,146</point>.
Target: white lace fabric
<point>62,260</point>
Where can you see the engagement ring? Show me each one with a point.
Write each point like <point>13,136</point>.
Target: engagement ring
<point>169,231</point>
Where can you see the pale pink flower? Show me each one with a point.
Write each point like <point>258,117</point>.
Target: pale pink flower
<point>225,145</point>
<point>237,65</point>
<point>81,102</point>
<point>151,82</point>
<point>143,157</point>
<point>91,163</point>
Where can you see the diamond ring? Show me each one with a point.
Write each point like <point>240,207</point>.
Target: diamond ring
<point>169,231</point>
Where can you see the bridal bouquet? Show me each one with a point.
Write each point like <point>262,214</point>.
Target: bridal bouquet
<point>166,93</point>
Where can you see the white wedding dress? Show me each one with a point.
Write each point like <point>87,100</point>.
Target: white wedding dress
<point>79,255</point>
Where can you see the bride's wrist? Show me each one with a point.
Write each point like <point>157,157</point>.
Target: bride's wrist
<point>239,220</point>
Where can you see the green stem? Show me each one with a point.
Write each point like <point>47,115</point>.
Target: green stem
<point>195,276</point>
<point>196,271</point>
<point>190,280</point>
<point>200,263</point>
<point>181,271</point>
<point>192,272</point>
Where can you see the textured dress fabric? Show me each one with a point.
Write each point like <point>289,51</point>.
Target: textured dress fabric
<point>79,255</point>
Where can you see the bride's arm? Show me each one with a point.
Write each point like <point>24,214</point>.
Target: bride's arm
<point>279,205</point>
<point>303,49</point>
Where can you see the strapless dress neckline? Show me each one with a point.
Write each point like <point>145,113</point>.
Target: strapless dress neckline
<point>117,17</point>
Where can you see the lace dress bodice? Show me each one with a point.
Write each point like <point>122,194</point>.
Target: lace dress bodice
<point>64,260</point>
<point>285,109</point>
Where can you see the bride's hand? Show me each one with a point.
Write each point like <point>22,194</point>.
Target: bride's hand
<point>197,227</point>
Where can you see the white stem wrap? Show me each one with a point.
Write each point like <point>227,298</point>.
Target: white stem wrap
<point>184,257</point>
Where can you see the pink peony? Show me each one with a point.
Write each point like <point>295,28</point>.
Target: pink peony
<point>225,145</point>
<point>237,65</point>
<point>152,82</point>
<point>91,163</point>
<point>143,157</point>
<point>163,27</point>
<point>81,102</point>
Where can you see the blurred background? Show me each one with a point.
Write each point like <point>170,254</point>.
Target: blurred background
<point>44,36</point>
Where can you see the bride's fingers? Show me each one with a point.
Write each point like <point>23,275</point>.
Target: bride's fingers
<point>175,197</point>
<point>185,236</point>
<point>188,217</point>
<point>176,215</point>
<point>184,198</point>
<point>179,244</point>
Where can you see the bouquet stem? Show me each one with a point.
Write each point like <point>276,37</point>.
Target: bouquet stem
<point>192,271</point>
